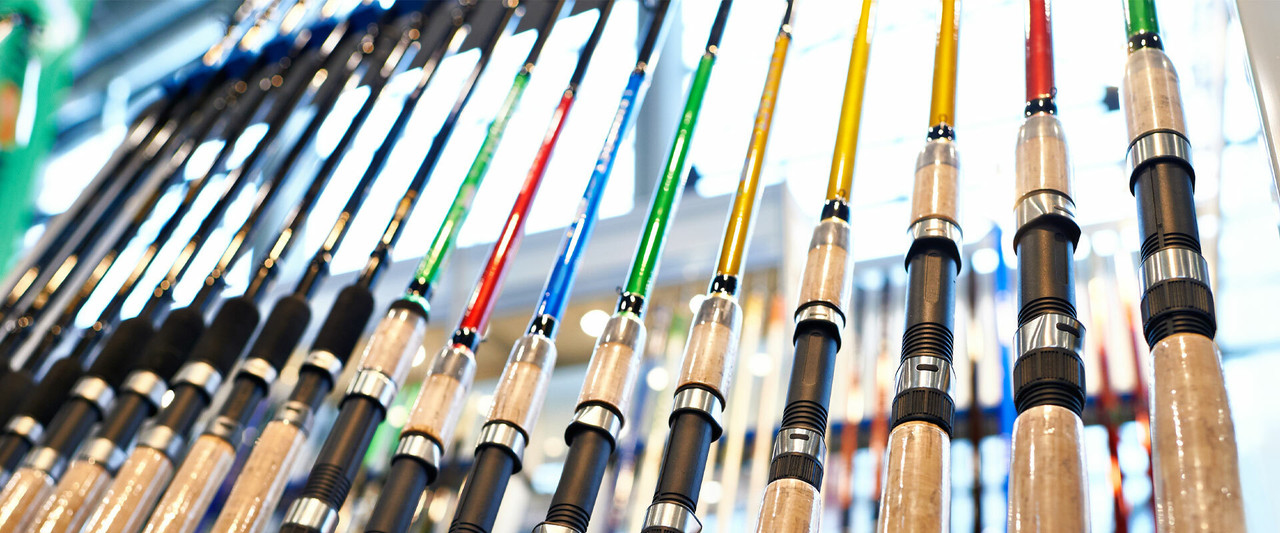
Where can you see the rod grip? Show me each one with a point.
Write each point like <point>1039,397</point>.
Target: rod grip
<point>917,489</point>
<point>117,357</point>
<point>936,193</point>
<point>828,268</point>
<point>21,497</point>
<point>194,485</point>
<point>443,396</point>
<point>13,387</point>
<point>228,334</point>
<point>711,353</point>
<point>172,344</point>
<point>1041,162</point>
<point>73,498</point>
<point>394,344</point>
<point>1197,471</point>
<point>522,388</point>
<point>281,332</point>
<point>1048,483</point>
<point>1151,97</point>
<point>133,493</point>
<point>346,321</point>
<point>615,365</point>
<point>261,483</point>
<point>44,403</point>
<point>790,505</point>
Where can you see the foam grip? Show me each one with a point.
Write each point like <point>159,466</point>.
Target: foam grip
<point>13,390</point>
<point>52,391</point>
<point>917,489</point>
<point>169,349</point>
<point>66,510</point>
<point>121,350</point>
<point>345,323</point>
<point>282,331</point>
<point>198,479</point>
<point>1048,484</point>
<point>21,499</point>
<point>228,334</point>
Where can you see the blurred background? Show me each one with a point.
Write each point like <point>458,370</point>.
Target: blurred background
<point>74,73</point>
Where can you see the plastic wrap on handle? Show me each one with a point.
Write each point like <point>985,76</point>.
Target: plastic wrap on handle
<point>133,493</point>
<point>262,481</point>
<point>828,270</point>
<point>711,353</point>
<point>1196,467</point>
<point>443,395</point>
<point>21,498</point>
<point>522,389</point>
<point>194,486</point>
<point>1048,483</point>
<point>1151,97</point>
<point>1041,157</point>
<point>917,489</point>
<point>394,343</point>
<point>73,499</point>
<point>615,364</point>
<point>790,505</point>
<point>937,184</point>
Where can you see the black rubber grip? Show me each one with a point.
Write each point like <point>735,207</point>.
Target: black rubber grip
<point>172,344</point>
<point>584,466</point>
<point>482,494</point>
<point>52,391</point>
<point>282,331</point>
<point>340,458</point>
<point>1049,376</point>
<point>400,494</point>
<point>346,322</point>
<point>809,392</point>
<point>12,449</point>
<point>14,386</point>
<point>228,334</point>
<point>122,347</point>
<point>925,405</point>
<point>684,460</point>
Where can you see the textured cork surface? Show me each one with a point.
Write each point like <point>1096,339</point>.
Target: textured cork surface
<point>1047,478</point>
<point>936,193</point>
<point>394,344</point>
<point>521,391</point>
<point>1196,466</point>
<point>439,405</point>
<point>917,489</point>
<point>131,496</point>
<point>193,488</point>
<point>828,269</point>
<point>790,505</point>
<point>1151,97</point>
<point>710,357</point>
<point>22,497</point>
<point>73,498</point>
<point>257,491</point>
<point>1042,165</point>
<point>612,374</point>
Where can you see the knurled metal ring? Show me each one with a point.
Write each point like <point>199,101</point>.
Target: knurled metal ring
<point>296,414</point>
<point>163,439</point>
<point>667,515</point>
<point>505,434</point>
<point>312,513</point>
<point>596,415</point>
<point>1051,330</point>
<point>47,460</point>
<point>103,452</point>
<point>699,399</point>
<point>546,527</point>
<point>375,385</point>
<point>96,391</point>
<point>1041,204</point>
<point>326,361</point>
<point>926,372</point>
<point>200,374</point>
<point>823,311</point>
<point>935,228</point>
<point>1174,263</point>
<point>261,369</point>
<point>147,384</point>
<point>26,427</point>
<point>1157,145</point>
<point>801,441</point>
<point>420,447</point>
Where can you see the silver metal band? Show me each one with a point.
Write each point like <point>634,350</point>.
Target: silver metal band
<point>598,416</point>
<point>103,452</point>
<point>505,434</point>
<point>47,460</point>
<point>421,447</point>
<point>821,311</point>
<point>373,384</point>
<point>227,429</point>
<point>261,369</point>
<point>456,362</point>
<point>26,427</point>
<point>1173,263</point>
<point>802,441</point>
<point>926,372</point>
<point>326,361</point>
<point>163,439</point>
<point>1157,145</point>
<point>200,374</point>
<point>935,228</point>
<point>1052,330</point>
<point>669,515</point>
<point>297,414</point>
<point>96,391</point>
<point>699,399</point>
<point>147,384</point>
<point>312,513</point>
<point>1041,204</point>
<point>553,528</point>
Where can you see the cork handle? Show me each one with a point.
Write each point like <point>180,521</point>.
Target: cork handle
<point>936,193</point>
<point>394,343</point>
<point>439,405</point>
<point>828,272</point>
<point>67,509</point>
<point>1151,97</point>
<point>917,490</point>
<point>1047,479</point>
<point>258,489</point>
<point>193,487</point>
<point>1041,157</point>
<point>520,393</point>
<point>790,505</point>
<point>1196,467</point>
<point>711,353</point>
<point>21,497</point>
<point>133,493</point>
<point>615,364</point>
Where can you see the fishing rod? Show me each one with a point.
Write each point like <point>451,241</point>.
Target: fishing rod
<point>853,416</point>
<point>879,438</point>
<point>792,499</point>
<point>917,489</point>
<point>1126,286</point>
<point>1047,477</point>
<point>384,365</point>
<point>975,341</point>
<point>711,355</point>
<point>770,386</point>
<point>592,436</point>
<point>1197,477</point>
<point>754,310</point>
<point>1108,403</point>
<point>518,400</point>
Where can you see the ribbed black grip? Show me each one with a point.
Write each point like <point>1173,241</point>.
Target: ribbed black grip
<point>339,459</point>
<point>118,354</point>
<point>803,467</point>
<point>809,392</point>
<point>1178,305</point>
<point>1049,376</point>
<point>52,391</point>
<point>923,404</point>
<point>346,322</point>
<point>172,345</point>
<point>228,334</point>
<point>282,331</point>
<point>584,466</point>
<point>684,460</point>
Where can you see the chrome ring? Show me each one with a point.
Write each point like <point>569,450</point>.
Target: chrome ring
<point>163,439</point>
<point>200,374</point>
<point>598,416</point>
<point>47,460</point>
<point>1052,330</point>
<point>1157,145</point>
<point>669,515</point>
<point>553,528</point>
<point>95,390</point>
<point>261,369</point>
<point>699,399</point>
<point>820,310</point>
<point>146,384</point>
<point>1173,263</point>
<point>103,452</point>
<point>227,429</point>
<point>326,361</point>
<point>802,441</point>
<point>375,385</point>
<point>421,447</point>
<point>296,414</point>
<point>926,372</point>
<point>1043,203</point>
<point>312,513</point>
<point>503,434</point>
<point>935,228</point>
<point>26,427</point>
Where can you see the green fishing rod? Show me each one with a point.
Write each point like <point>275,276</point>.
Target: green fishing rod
<point>612,373</point>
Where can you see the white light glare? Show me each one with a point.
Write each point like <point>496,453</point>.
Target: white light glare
<point>593,322</point>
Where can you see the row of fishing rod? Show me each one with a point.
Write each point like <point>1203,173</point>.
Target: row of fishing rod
<point>150,377</point>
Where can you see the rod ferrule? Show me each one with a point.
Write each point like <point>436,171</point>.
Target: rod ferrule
<point>597,416</point>
<point>200,374</point>
<point>700,400</point>
<point>798,453</point>
<point>935,228</point>
<point>421,448</point>
<point>1173,263</point>
<point>25,427</point>
<point>1051,330</point>
<point>164,439</point>
<point>297,414</point>
<point>96,391</point>
<point>45,459</point>
<point>374,385</point>
<point>325,361</point>
<point>1044,204</point>
<point>506,435</point>
<point>146,384</point>
<point>313,514</point>
<point>926,387</point>
<point>670,517</point>
<point>261,369</point>
<point>1049,370</point>
<point>103,452</point>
